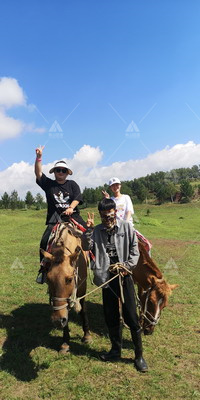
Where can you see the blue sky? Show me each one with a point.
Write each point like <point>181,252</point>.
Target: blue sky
<point>120,77</point>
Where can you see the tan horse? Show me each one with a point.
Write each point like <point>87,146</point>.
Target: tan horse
<point>67,280</point>
<point>153,290</point>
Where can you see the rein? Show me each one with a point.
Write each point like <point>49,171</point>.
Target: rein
<point>99,287</point>
<point>70,302</point>
<point>113,267</point>
<point>146,314</point>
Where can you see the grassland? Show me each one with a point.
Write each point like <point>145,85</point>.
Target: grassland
<point>31,366</point>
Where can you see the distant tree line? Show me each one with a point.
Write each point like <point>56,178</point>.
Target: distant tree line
<point>13,201</point>
<point>159,187</point>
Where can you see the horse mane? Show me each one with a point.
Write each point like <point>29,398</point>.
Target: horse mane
<point>61,233</point>
<point>59,243</point>
<point>147,260</point>
<point>74,231</point>
<point>58,253</point>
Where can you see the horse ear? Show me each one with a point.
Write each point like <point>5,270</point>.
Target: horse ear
<point>153,280</point>
<point>174,286</point>
<point>46,254</point>
<point>73,257</point>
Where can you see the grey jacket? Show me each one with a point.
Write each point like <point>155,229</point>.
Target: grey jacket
<point>126,247</point>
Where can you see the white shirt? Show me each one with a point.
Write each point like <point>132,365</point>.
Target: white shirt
<point>123,205</point>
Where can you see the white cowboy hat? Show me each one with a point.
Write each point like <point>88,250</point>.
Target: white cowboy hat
<point>61,164</point>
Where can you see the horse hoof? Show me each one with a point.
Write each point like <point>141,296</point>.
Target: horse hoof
<point>86,338</point>
<point>64,349</point>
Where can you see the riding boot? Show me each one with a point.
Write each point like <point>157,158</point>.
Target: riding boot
<point>114,354</point>
<point>139,361</point>
<point>41,277</point>
<point>42,273</point>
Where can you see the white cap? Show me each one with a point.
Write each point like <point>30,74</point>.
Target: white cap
<point>61,164</point>
<point>113,180</point>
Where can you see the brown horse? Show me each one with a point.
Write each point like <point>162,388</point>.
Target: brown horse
<point>153,290</point>
<point>67,280</point>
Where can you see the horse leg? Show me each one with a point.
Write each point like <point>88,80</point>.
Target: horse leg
<point>66,338</point>
<point>87,338</point>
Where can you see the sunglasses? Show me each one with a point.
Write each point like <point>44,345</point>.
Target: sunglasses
<point>63,170</point>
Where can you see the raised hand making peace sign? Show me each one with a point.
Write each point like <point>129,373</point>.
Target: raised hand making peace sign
<point>90,220</point>
<point>39,151</point>
<point>38,163</point>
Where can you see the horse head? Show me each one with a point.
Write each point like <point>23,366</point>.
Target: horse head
<point>152,302</point>
<point>61,279</point>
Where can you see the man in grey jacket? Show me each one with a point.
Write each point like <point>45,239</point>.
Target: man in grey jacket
<point>115,242</point>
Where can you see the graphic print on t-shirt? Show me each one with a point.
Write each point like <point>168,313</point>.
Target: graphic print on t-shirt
<point>123,205</point>
<point>61,199</point>
<point>111,249</point>
<point>120,211</point>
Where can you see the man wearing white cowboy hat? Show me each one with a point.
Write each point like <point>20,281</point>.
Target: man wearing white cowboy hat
<point>63,195</point>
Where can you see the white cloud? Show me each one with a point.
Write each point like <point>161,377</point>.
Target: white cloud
<point>86,158</point>
<point>9,127</point>
<point>32,128</point>
<point>87,173</point>
<point>12,95</point>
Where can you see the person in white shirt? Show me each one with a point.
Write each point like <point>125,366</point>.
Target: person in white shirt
<point>124,206</point>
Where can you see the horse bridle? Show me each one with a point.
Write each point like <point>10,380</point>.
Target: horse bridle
<point>146,314</point>
<point>66,305</point>
<point>69,301</point>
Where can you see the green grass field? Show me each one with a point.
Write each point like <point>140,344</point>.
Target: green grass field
<point>31,367</point>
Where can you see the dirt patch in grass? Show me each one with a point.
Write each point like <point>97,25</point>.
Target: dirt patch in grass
<point>173,242</point>
<point>163,249</point>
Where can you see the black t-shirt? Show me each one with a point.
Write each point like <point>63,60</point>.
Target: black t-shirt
<point>59,197</point>
<point>111,249</point>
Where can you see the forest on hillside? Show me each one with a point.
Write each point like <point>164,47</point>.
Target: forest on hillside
<point>180,185</point>
<point>177,185</point>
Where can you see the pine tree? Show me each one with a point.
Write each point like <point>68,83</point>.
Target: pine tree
<point>29,199</point>
<point>5,200</point>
